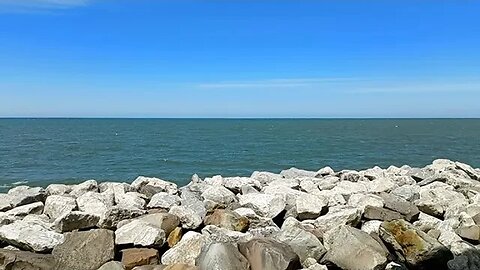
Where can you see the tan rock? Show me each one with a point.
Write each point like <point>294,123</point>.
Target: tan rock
<point>139,256</point>
<point>175,236</point>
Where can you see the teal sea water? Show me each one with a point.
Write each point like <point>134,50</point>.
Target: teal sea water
<point>43,151</point>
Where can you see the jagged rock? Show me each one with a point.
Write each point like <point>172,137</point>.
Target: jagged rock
<point>363,251</point>
<point>266,205</point>
<point>58,205</point>
<point>216,180</point>
<point>188,217</point>
<point>266,177</point>
<point>86,250</point>
<point>471,172</point>
<point>139,233</point>
<point>371,226</point>
<point>27,209</point>
<point>30,236</point>
<point>344,216</point>
<point>363,200</point>
<point>22,195</point>
<point>112,265</point>
<point>223,235</point>
<point>164,200</point>
<point>131,200</point>
<point>6,219</point>
<point>116,214</point>
<point>400,205</point>
<point>268,254</point>
<point>296,173</point>
<point>435,198</point>
<point>470,232</point>
<point>175,236</point>
<point>23,260</point>
<point>381,185</point>
<point>334,198</point>
<point>325,171</point>
<point>304,244</point>
<point>194,201</point>
<point>58,189</point>
<point>187,250</point>
<point>5,203</point>
<point>222,256</point>
<point>310,206</point>
<point>347,188</point>
<point>95,203</point>
<point>235,184</point>
<point>76,220</point>
<point>227,219</point>
<point>167,222</point>
<point>82,188</point>
<point>419,250</point>
<point>151,186</point>
<point>139,256</point>
<point>378,213</point>
<point>217,197</point>
<point>351,176</point>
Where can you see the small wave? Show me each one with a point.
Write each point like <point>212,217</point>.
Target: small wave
<point>19,183</point>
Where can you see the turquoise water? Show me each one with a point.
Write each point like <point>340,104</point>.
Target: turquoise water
<point>42,151</point>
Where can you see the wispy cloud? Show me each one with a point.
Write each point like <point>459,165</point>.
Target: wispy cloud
<point>273,83</point>
<point>432,87</point>
<point>39,5</point>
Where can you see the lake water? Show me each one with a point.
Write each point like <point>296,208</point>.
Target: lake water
<point>43,151</point>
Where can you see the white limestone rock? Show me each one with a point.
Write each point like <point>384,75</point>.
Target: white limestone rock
<point>30,236</point>
<point>22,211</point>
<point>163,200</point>
<point>95,203</point>
<point>58,205</point>
<point>266,205</point>
<point>139,233</point>
<point>187,250</point>
<point>189,218</point>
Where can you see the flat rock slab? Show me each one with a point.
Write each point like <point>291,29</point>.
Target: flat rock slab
<point>139,256</point>
<point>379,213</point>
<point>30,236</point>
<point>24,260</point>
<point>269,254</point>
<point>86,250</point>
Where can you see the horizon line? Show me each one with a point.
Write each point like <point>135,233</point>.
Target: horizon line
<point>236,118</point>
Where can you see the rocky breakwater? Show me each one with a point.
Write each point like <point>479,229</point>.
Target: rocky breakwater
<point>394,218</point>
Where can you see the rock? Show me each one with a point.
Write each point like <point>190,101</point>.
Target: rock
<point>378,213</point>
<point>82,188</point>
<point>86,250</point>
<point>435,198</point>
<point>27,209</point>
<point>304,244</point>
<point>58,189</point>
<point>116,214</point>
<point>347,188</point>
<point>112,265</point>
<point>139,233</point>
<point>187,250</point>
<point>218,197</point>
<point>372,226</point>
<point>346,216</point>
<point>131,200</point>
<point>227,219</point>
<point>363,251</point>
<point>23,260</point>
<point>163,200</point>
<point>174,237</point>
<point>167,222</point>
<point>222,256</point>
<point>151,186</point>
<point>193,201</point>
<point>296,173</point>
<point>419,250</point>
<point>216,180</point>
<point>266,205</point>
<point>325,171</point>
<point>469,259</point>
<point>381,185</point>
<point>362,200</point>
<point>266,177</point>
<point>5,203</point>
<point>188,217</point>
<point>351,176</point>
<point>235,184</point>
<point>58,205</point>
<point>139,256</point>
<point>223,235</point>
<point>471,172</point>
<point>41,220</point>
<point>400,205</point>
<point>95,203</point>
<point>22,195</point>
<point>30,236</point>
<point>180,266</point>
<point>310,206</point>
<point>76,220</point>
<point>268,254</point>
<point>470,232</point>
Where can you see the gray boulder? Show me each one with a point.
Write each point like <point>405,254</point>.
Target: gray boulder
<point>352,249</point>
<point>379,213</point>
<point>188,217</point>
<point>269,254</point>
<point>84,187</point>
<point>266,205</point>
<point>222,256</point>
<point>22,195</point>
<point>163,200</point>
<point>416,248</point>
<point>400,205</point>
<point>112,265</point>
<point>95,203</point>
<point>58,205</point>
<point>23,260</point>
<point>116,214</point>
<point>151,186</point>
<point>75,220</point>
<point>30,236</point>
<point>27,209</point>
<point>86,250</point>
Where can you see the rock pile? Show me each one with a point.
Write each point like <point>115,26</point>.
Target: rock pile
<point>394,218</point>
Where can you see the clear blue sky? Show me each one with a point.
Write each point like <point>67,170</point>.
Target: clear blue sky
<point>240,58</point>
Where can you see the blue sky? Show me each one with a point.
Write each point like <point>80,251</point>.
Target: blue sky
<point>75,58</point>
